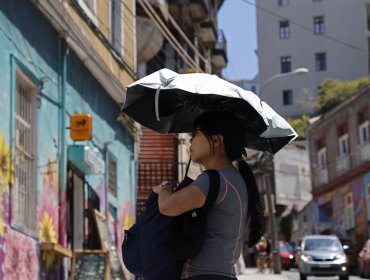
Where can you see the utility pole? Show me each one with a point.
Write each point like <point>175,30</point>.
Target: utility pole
<point>266,160</point>
<point>273,231</point>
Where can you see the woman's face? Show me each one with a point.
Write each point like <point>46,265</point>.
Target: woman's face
<point>199,147</point>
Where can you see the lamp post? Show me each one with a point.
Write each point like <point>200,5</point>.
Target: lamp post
<point>265,158</point>
<point>280,75</point>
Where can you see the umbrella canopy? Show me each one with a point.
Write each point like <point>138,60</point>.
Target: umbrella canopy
<point>168,102</point>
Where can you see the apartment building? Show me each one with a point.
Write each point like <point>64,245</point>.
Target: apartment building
<point>66,152</point>
<point>339,151</point>
<point>328,37</point>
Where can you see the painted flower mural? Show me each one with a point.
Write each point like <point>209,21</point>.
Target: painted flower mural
<point>20,257</point>
<point>6,178</point>
<point>6,164</point>
<point>47,234</point>
<point>48,212</point>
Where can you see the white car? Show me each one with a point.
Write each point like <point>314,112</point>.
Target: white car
<point>323,255</point>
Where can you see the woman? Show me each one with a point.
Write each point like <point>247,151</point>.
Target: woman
<point>217,141</point>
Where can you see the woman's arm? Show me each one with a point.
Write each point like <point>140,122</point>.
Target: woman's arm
<point>175,203</point>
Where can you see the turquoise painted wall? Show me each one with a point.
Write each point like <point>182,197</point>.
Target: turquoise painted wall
<point>28,42</point>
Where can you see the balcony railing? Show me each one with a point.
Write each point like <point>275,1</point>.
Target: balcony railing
<point>362,154</point>
<point>219,58</point>
<point>320,176</point>
<point>343,164</point>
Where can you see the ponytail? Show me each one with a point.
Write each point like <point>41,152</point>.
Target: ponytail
<point>255,206</point>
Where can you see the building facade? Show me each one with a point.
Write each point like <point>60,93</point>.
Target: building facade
<point>328,37</point>
<point>64,64</point>
<point>339,151</point>
<point>183,37</point>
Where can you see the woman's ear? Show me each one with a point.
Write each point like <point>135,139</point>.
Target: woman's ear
<point>217,139</point>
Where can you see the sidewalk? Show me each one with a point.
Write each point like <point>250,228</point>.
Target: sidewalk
<point>253,274</point>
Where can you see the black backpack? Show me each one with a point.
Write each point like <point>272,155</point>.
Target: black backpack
<point>157,245</point>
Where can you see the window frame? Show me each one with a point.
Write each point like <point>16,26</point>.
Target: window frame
<point>91,14</point>
<point>321,61</point>
<point>286,64</point>
<point>343,144</point>
<point>284,29</point>
<point>319,25</point>
<point>114,159</point>
<point>288,97</point>
<point>321,158</point>
<point>363,127</point>
<point>282,3</point>
<point>28,227</point>
<point>112,38</point>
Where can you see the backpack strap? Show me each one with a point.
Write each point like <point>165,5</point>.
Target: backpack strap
<point>214,187</point>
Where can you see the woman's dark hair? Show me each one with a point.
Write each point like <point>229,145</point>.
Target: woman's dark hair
<point>232,130</point>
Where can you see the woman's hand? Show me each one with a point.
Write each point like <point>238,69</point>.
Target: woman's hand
<point>161,186</point>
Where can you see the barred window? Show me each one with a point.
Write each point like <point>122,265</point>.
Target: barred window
<point>25,189</point>
<point>112,173</point>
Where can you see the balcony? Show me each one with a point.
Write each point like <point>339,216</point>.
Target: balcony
<point>207,33</point>
<point>320,176</point>
<point>343,164</point>
<point>219,58</point>
<point>362,154</point>
<point>198,10</point>
<point>149,39</point>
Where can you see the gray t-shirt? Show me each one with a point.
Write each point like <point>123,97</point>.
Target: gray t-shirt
<point>225,227</point>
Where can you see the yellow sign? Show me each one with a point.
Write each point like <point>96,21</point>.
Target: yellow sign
<point>81,127</point>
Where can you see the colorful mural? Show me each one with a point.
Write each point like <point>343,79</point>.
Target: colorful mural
<point>20,258</point>
<point>48,212</point>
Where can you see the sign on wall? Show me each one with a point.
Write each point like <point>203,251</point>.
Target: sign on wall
<point>81,127</point>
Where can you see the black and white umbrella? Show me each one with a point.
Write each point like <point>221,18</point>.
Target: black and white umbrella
<point>168,102</point>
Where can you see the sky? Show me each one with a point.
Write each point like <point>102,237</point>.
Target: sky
<point>237,19</point>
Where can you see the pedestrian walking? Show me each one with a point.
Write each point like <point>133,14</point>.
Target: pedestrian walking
<point>216,143</point>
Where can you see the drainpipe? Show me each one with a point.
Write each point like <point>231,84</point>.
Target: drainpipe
<point>62,61</point>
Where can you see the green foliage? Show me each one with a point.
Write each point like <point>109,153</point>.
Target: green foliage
<point>300,124</point>
<point>332,92</point>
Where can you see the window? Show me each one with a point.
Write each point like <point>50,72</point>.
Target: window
<point>321,158</point>
<point>287,97</point>
<point>320,61</point>
<point>283,3</point>
<point>284,30</point>
<point>89,7</point>
<point>317,0</point>
<point>343,140</point>
<point>25,190</point>
<point>349,210</point>
<point>116,25</point>
<point>363,126</point>
<point>363,132</point>
<point>286,65</point>
<point>319,25</point>
<point>112,173</point>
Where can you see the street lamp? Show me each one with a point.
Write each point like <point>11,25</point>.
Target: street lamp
<point>280,75</point>
<point>266,158</point>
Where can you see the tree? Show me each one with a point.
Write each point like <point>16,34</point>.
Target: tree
<point>332,92</point>
<point>299,125</point>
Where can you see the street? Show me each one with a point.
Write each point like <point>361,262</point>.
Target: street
<point>294,275</point>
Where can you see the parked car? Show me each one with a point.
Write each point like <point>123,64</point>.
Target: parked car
<point>323,255</point>
<point>286,255</point>
<point>364,260</point>
<point>351,250</point>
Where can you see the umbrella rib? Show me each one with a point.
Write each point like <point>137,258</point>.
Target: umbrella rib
<point>156,103</point>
